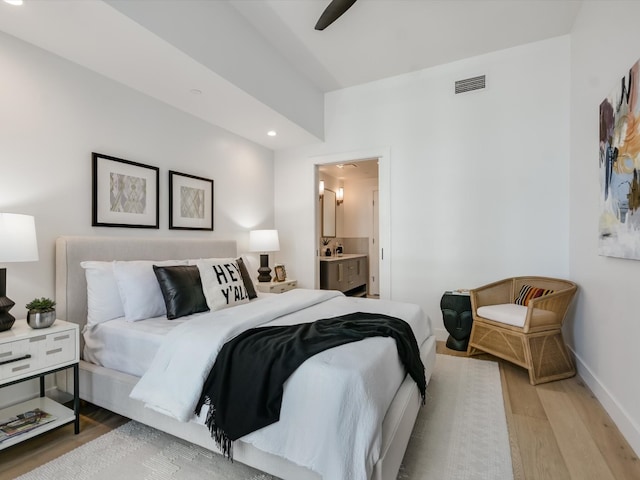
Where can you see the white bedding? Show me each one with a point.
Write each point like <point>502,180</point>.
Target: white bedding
<point>350,390</point>
<point>129,347</point>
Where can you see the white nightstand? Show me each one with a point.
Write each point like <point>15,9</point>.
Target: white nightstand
<point>27,353</point>
<point>276,287</point>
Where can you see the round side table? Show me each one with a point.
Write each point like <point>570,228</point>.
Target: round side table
<point>456,314</point>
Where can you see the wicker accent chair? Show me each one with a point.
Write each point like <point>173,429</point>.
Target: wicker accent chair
<point>529,336</point>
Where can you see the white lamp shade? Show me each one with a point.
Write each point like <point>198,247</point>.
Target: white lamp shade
<point>18,242</point>
<point>264,241</point>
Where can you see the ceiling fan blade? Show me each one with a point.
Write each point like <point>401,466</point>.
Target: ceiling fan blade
<point>333,12</point>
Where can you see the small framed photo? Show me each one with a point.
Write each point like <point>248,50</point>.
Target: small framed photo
<point>281,273</point>
<point>124,193</point>
<point>190,202</point>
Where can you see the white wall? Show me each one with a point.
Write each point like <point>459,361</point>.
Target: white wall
<point>53,114</point>
<point>604,44</point>
<point>358,212</point>
<point>478,181</point>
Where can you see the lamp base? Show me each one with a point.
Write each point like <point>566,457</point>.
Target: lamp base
<point>264,272</point>
<point>6,319</point>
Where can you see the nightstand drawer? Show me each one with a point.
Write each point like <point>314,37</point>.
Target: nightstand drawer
<point>276,287</point>
<point>44,351</point>
<point>12,357</point>
<point>60,347</point>
<point>282,288</point>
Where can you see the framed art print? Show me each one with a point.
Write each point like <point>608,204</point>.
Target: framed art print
<point>125,193</point>
<point>190,202</point>
<point>280,273</point>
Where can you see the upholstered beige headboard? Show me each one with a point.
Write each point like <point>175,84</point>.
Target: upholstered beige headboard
<point>71,286</point>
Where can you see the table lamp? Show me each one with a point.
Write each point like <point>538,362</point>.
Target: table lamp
<point>18,243</point>
<point>264,241</point>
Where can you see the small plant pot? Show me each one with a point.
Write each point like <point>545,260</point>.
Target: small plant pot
<point>38,319</point>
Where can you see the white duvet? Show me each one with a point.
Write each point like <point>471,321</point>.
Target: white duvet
<point>333,405</point>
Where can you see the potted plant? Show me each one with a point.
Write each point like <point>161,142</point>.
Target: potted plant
<point>42,312</point>
<point>326,242</point>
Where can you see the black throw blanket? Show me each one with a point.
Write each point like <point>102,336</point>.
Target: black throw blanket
<point>244,388</point>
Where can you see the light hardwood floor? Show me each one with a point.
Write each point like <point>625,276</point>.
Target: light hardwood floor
<point>557,430</point>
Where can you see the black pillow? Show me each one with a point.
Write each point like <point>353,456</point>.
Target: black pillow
<point>181,289</point>
<point>246,279</point>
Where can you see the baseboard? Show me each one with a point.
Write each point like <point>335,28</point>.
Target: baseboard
<point>618,414</point>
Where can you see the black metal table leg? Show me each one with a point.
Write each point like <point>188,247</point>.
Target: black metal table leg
<point>76,397</point>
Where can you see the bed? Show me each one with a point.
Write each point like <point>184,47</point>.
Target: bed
<point>110,388</point>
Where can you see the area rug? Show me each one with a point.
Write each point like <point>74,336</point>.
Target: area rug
<point>460,434</point>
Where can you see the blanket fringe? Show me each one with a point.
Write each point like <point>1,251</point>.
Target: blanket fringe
<point>219,436</point>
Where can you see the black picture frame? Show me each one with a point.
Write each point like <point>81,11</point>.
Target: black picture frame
<point>124,193</point>
<point>190,202</point>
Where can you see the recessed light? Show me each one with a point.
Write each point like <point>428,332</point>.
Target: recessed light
<point>272,133</point>
<point>13,2</point>
<point>195,91</point>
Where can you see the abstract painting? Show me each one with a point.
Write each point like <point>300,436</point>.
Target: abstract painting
<point>619,222</point>
<point>125,193</point>
<point>190,202</point>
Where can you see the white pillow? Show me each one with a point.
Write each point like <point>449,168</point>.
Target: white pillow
<point>139,289</point>
<point>222,283</point>
<point>103,297</point>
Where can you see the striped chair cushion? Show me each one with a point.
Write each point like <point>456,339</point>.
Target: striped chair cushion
<point>527,292</point>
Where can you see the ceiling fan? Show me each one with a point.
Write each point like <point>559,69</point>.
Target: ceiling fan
<point>333,11</point>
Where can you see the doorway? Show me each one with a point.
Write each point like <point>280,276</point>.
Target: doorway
<point>351,190</point>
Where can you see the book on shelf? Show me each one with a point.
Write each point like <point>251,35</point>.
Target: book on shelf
<point>23,422</point>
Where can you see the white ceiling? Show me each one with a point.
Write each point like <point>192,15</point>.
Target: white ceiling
<point>259,64</point>
<point>356,170</point>
<point>376,39</point>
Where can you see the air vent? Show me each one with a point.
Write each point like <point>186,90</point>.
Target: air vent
<point>469,84</point>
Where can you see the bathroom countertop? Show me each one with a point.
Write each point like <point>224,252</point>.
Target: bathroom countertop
<point>344,256</point>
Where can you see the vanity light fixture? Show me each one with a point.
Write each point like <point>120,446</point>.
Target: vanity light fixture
<point>321,188</point>
<point>340,196</point>
<point>14,2</point>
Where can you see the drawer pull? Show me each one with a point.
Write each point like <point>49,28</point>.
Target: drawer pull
<point>17,359</point>
<point>21,367</point>
<point>38,339</point>
<point>55,350</point>
<point>6,354</point>
<point>61,337</point>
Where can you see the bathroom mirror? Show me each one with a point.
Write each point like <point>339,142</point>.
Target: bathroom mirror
<point>329,213</point>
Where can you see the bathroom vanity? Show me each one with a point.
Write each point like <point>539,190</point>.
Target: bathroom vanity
<point>348,273</point>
